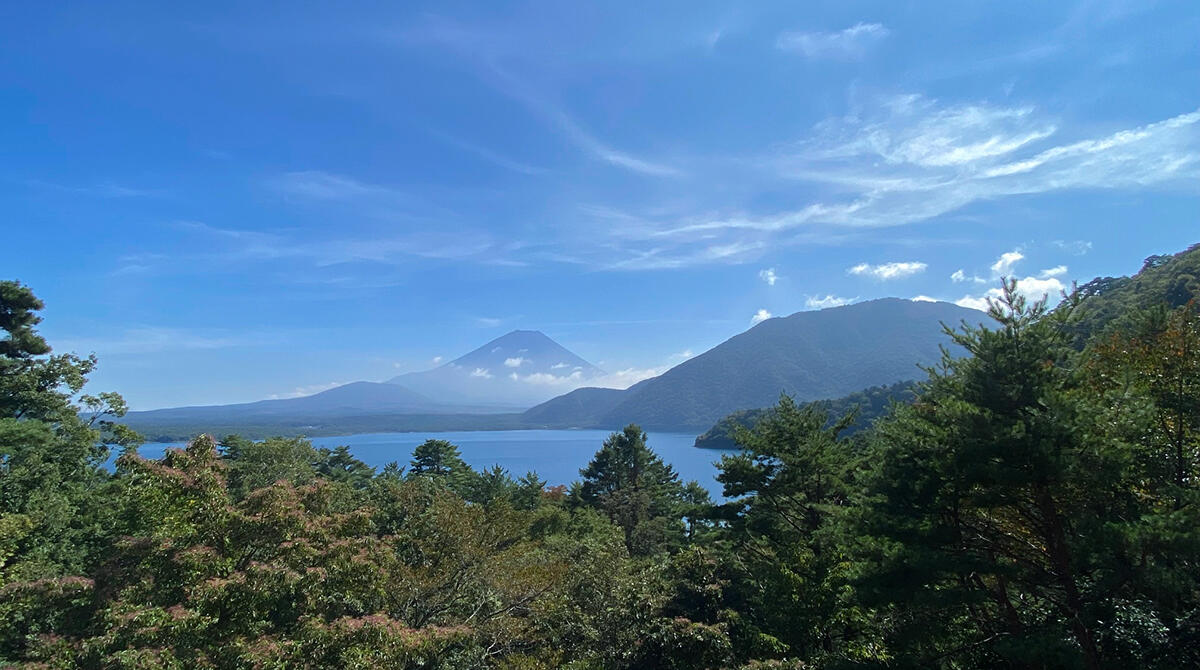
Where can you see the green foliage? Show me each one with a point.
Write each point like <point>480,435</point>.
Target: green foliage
<point>51,479</point>
<point>1009,526</point>
<point>260,464</point>
<point>866,406</point>
<point>637,490</point>
<point>1110,304</point>
<point>791,487</point>
<point>1035,505</point>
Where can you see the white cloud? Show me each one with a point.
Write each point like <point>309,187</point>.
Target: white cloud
<point>816,302</point>
<point>301,391</point>
<point>482,373</point>
<point>1077,247</point>
<point>682,355</point>
<point>768,276</point>
<point>923,298</point>
<point>435,360</point>
<point>888,271</point>
<point>623,379</point>
<point>574,379</point>
<point>514,362</point>
<point>759,316</point>
<point>1033,288</point>
<point>974,302</point>
<point>907,159</point>
<point>959,276</point>
<point>849,44</point>
<point>1057,271</point>
<point>1003,266</point>
<point>560,366</point>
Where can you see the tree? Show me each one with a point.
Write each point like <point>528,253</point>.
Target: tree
<point>636,489</point>
<point>260,464</point>
<point>338,465</point>
<point>50,456</point>
<point>790,487</point>
<point>440,462</point>
<point>997,505</point>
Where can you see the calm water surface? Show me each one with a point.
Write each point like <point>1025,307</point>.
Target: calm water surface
<point>556,455</point>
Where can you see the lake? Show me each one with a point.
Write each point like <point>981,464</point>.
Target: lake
<point>556,455</point>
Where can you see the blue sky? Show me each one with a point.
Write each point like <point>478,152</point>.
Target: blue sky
<point>233,201</point>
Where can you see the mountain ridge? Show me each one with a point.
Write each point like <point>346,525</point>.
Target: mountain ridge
<point>523,366</point>
<point>810,355</point>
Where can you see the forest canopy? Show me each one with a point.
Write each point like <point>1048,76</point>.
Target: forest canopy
<point>1035,505</point>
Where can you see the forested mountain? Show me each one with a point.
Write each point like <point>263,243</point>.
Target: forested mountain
<point>867,406</point>
<point>516,370</point>
<point>1165,280</point>
<point>808,355</point>
<point>1107,304</point>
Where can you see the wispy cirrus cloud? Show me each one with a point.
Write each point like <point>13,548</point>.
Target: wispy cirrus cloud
<point>487,154</point>
<point>208,247</point>
<point>105,189</point>
<point>849,44</point>
<point>910,159</point>
<point>157,339</point>
<point>483,49</point>
<point>320,185</point>
<point>569,128</point>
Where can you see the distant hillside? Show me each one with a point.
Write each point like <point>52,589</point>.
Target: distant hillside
<point>518,370</point>
<point>357,397</point>
<point>507,374</point>
<point>870,404</point>
<point>808,355</point>
<point>353,401</point>
<point>292,426</point>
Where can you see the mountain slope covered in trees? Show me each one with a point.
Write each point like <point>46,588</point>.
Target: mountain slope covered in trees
<point>867,406</point>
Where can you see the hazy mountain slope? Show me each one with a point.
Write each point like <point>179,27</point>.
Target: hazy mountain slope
<point>580,408</point>
<point>519,369</point>
<point>809,355</point>
<point>510,372</point>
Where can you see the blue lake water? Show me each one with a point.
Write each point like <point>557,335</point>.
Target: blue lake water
<point>556,455</point>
